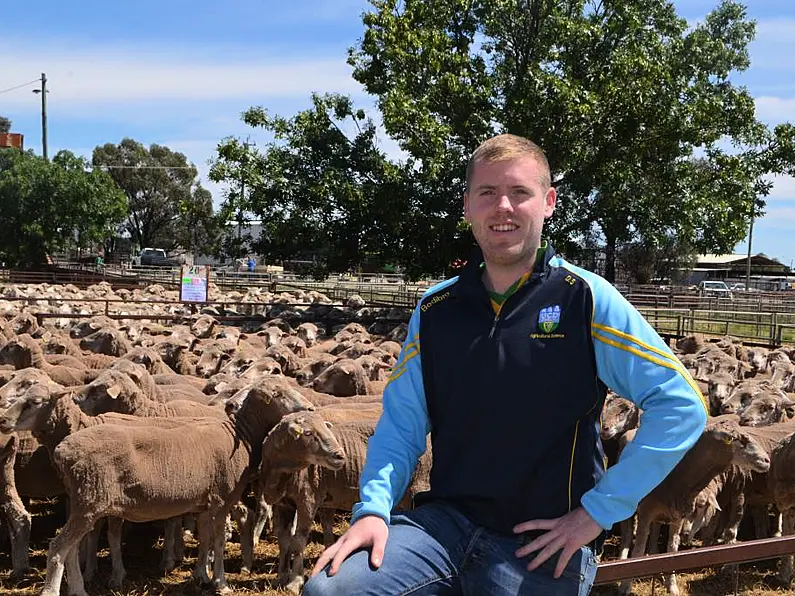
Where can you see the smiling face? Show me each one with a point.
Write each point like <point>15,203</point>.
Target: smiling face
<point>506,205</point>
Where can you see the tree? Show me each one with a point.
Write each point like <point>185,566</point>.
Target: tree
<point>622,95</point>
<point>670,259</point>
<point>5,125</point>
<point>167,206</point>
<point>49,206</point>
<point>322,189</point>
<point>199,228</point>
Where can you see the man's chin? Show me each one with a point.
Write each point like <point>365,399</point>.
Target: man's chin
<point>507,257</point>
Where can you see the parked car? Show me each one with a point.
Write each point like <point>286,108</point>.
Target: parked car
<point>154,257</point>
<point>718,289</point>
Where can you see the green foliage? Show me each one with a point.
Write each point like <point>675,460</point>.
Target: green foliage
<point>167,206</point>
<point>5,124</point>
<point>669,258</point>
<point>622,96</point>
<point>47,205</point>
<point>322,188</point>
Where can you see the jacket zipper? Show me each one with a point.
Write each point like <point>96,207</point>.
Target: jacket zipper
<point>497,316</point>
<point>494,325</point>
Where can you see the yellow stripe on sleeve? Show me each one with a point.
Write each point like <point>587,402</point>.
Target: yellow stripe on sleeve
<point>666,363</point>
<point>635,340</point>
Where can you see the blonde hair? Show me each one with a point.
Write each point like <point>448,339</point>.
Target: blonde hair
<point>506,147</point>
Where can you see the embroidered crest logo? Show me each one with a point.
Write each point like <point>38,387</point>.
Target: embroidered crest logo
<point>549,318</point>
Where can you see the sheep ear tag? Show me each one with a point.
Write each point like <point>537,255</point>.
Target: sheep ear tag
<point>114,391</point>
<point>297,431</point>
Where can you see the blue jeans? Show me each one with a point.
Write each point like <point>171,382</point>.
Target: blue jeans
<point>434,549</point>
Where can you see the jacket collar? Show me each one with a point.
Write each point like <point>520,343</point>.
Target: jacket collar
<point>470,280</point>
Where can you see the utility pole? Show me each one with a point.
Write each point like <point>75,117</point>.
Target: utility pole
<point>243,162</point>
<point>43,92</point>
<point>748,262</point>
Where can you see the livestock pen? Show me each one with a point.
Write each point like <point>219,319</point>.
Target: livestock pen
<point>142,561</point>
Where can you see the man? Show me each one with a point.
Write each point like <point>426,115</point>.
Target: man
<point>507,367</point>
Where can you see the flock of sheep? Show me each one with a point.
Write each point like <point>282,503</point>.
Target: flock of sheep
<point>744,463</point>
<point>201,424</point>
<point>184,423</point>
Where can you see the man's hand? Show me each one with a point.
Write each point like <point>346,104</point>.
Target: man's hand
<point>570,533</point>
<point>369,531</point>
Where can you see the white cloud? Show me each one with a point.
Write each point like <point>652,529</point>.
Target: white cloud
<point>775,31</point>
<point>783,188</point>
<point>775,109</point>
<point>778,217</point>
<point>91,76</point>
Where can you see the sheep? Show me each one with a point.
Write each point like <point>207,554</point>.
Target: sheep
<point>781,482</point>
<point>149,359</point>
<point>116,392</point>
<point>144,474</point>
<point>51,418</point>
<point>204,326</point>
<point>295,344</point>
<point>24,352</point>
<point>108,341</point>
<point>266,366</point>
<point>17,518</point>
<point>719,389</point>
<point>745,392</point>
<point>308,490</point>
<point>23,380</point>
<point>308,333</point>
<point>86,328</point>
<point>767,409</point>
<point>211,361</point>
<point>375,369</point>
<point>299,440</point>
<point>306,374</point>
<point>722,444</point>
<point>285,357</point>
<point>343,378</point>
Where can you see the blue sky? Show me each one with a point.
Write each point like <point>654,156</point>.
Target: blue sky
<point>179,73</point>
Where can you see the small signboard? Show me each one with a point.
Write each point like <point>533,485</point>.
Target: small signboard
<point>194,283</point>
<point>12,140</point>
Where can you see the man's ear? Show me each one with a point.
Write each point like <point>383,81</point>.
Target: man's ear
<point>550,200</point>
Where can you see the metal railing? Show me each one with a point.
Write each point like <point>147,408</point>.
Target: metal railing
<point>692,559</point>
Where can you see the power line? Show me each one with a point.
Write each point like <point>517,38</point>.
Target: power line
<point>111,167</point>
<point>20,86</point>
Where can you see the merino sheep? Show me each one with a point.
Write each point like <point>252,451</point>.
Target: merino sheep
<point>721,445</point>
<point>144,474</point>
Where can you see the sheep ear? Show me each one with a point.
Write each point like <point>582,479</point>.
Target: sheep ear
<point>114,391</point>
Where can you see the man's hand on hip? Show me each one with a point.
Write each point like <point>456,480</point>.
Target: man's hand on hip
<point>570,533</point>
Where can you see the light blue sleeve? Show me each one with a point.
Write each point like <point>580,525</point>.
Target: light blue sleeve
<point>399,437</point>
<point>634,361</point>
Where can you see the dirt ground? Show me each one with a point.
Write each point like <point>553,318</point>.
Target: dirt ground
<point>142,548</point>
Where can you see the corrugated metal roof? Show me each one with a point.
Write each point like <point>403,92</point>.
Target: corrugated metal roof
<point>721,259</point>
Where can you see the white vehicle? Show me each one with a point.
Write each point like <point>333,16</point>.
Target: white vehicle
<point>718,289</point>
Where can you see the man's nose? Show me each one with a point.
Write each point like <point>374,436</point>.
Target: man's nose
<point>503,202</point>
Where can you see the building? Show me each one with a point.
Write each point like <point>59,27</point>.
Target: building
<point>733,267</point>
<point>247,233</point>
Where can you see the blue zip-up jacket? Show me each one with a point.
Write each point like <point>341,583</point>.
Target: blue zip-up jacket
<point>513,401</point>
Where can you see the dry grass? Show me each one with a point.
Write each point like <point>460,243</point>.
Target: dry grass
<point>142,548</point>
